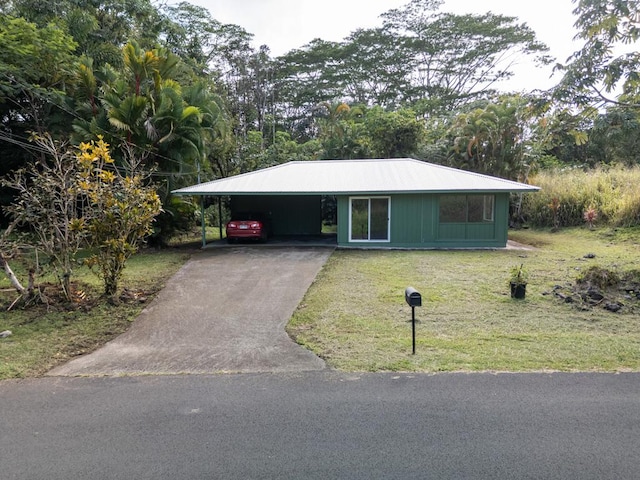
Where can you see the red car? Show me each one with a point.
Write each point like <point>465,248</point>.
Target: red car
<point>250,226</point>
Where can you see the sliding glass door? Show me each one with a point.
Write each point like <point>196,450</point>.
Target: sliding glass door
<point>369,219</point>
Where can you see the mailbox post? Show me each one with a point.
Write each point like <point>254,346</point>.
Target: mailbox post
<point>413,299</point>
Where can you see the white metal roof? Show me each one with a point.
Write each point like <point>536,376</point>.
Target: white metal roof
<point>337,177</point>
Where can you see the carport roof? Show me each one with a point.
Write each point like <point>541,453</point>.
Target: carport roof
<point>353,177</point>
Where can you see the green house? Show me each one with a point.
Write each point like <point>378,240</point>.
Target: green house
<point>394,203</point>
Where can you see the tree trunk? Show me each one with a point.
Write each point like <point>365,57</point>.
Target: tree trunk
<point>10,275</point>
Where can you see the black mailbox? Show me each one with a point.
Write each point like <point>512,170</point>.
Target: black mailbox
<point>413,297</point>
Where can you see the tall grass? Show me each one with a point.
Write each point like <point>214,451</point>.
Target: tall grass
<point>613,192</point>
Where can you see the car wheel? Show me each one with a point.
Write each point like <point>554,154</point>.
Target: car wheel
<point>231,240</point>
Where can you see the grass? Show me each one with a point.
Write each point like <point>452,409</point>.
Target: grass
<point>194,237</point>
<point>355,317</point>
<point>610,191</point>
<point>44,337</point>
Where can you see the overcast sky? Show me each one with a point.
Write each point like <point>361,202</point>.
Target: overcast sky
<point>283,25</point>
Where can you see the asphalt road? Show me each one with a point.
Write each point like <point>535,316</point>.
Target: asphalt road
<point>322,425</point>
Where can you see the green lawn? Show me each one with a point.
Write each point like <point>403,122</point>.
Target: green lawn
<point>44,337</point>
<point>355,317</point>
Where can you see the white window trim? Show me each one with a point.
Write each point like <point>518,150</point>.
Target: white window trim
<point>375,197</point>
<point>490,218</point>
<point>488,215</point>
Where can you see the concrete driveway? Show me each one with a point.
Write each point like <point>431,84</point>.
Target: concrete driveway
<point>225,310</point>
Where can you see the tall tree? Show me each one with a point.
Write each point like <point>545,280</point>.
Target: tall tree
<point>148,115</point>
<point>145,107</point>
<point>433,61</point>
<point>307,78</point>
<point>500,138</point>
<point>457,58</point>
<point>375,68</point>
<point>100,27</point>
<point>36,66</point>
<point>607,64</point>
<point>615,137</point>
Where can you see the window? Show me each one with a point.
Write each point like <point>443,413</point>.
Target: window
<point>359,219</point>
<point>487,214</point>
<point>453,209</point>
<point>369,219</point>
<point>466,208</point>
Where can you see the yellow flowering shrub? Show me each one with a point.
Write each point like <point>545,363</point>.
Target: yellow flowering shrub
<point>119,211</point>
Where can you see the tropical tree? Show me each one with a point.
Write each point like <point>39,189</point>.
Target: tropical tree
<point>433,61</point>
<point>614,137</point>
<point>501,138</point>
<point>394,134</point>
<point>224,53</point>
<point>375,67</point>
<point>145,110</point>
<point>458,58</point>
<point>607,65</point>
<point>331,117</point>
<point>100,28</point>
<point>35,66</point>
<point>342,131</point>
<point>305,78</point>
<point>193,35</point>
<point>347,132</point>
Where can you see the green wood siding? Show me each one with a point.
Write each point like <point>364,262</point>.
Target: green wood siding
<point>415,224</point>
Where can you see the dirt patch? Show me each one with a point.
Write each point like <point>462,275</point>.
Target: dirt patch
<point>513,245</point>
<point>50,297</point>
<point>599,287</point>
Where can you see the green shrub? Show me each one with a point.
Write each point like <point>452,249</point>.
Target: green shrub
<point>179,215</point>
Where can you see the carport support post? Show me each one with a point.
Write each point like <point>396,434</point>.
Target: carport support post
<point>204,229</point>
<point>220,215</point>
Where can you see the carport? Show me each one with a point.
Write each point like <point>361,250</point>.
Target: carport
<point>289,214</point>
<point>381,203</point>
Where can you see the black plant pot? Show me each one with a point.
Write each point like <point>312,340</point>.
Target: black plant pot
<point>518,290</point>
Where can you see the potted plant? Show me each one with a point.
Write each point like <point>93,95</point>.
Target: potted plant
<point>518,281</point>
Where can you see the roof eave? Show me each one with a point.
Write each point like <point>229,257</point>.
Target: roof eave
<point>183,192</point>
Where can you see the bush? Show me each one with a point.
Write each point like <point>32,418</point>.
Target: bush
<point>179,215</point>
